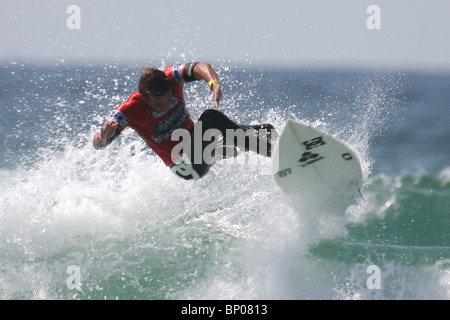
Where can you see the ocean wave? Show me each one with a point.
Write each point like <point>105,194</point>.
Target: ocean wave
<point>138,232</point>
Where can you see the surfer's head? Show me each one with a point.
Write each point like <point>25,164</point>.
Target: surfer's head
<point>155,87</point>
<point>153,82</point>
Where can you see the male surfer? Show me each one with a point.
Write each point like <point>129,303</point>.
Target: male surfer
<point>157,109</point>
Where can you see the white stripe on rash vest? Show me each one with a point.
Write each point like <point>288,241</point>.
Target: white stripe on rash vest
<point>177,72</point>
<point>119,117</point>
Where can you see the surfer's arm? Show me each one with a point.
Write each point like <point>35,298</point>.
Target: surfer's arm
<point>105,136</point>
<point>204,71</point>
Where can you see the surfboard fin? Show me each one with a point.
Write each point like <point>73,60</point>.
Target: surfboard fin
<point>360,193</point>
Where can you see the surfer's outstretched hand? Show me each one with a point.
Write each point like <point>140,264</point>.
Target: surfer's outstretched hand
<point>109,130</point>
<point>217,94</point>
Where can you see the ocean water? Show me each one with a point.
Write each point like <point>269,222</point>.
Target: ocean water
<point>76,223</point>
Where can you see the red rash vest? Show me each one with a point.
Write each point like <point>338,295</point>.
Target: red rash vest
<point>154,127</point>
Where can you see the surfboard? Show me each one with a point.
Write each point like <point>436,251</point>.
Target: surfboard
<point>307,162</point>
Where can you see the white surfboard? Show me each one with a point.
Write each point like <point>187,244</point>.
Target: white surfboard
<point>307,162</point>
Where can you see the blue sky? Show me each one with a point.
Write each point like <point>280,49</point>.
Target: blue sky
<point>413,34</point>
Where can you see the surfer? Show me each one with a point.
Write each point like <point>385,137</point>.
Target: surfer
<point>157,111</point>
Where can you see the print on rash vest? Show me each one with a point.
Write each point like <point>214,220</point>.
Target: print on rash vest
<point>154,127</point>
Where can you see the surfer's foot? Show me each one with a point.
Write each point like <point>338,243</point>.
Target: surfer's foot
<point>271,135</point>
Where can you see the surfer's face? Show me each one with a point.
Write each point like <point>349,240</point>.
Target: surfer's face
<point>160,103</point>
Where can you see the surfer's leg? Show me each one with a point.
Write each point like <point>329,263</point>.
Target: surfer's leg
<point>262,134</point>
<point>253,137</point>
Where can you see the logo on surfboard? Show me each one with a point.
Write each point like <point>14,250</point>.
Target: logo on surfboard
<point>309,158</point>
<point>284,173</point>
<point>313,143</point>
